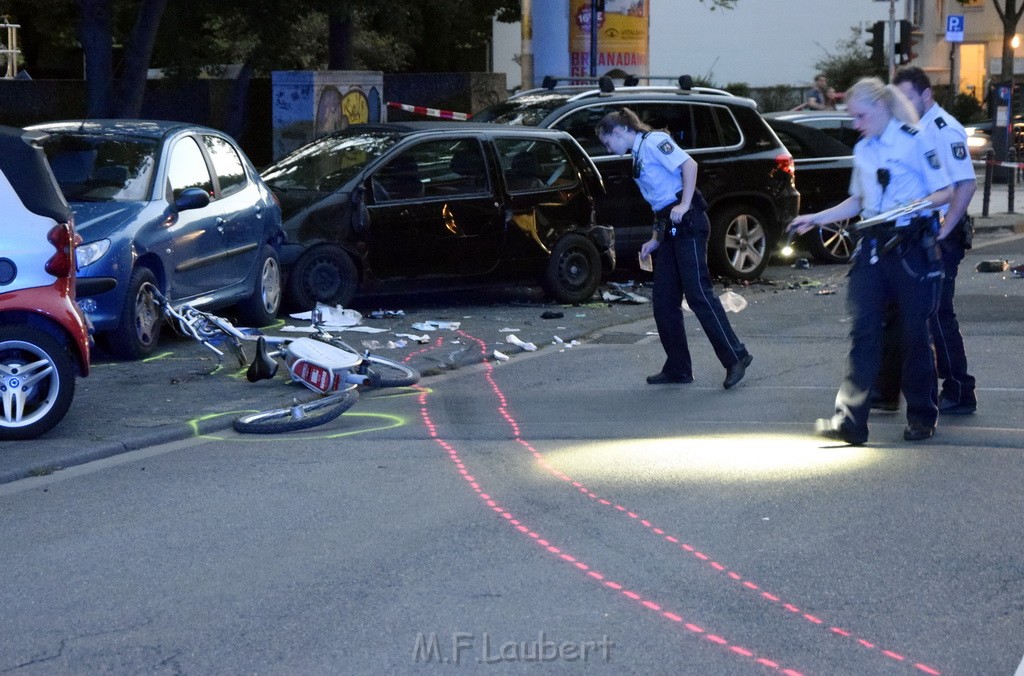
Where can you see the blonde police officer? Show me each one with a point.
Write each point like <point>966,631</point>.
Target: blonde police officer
<point>894,164</point>
<point>666,176</point>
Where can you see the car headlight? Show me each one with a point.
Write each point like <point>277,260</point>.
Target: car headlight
<point>87,254</point>
<point>976,141</point>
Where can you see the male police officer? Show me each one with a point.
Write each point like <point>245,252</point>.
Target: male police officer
<point>958,391</point>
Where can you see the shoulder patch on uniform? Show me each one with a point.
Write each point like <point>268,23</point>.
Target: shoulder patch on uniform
<point>933,159</point>
<point>939,122</point>
<point>959,150</point>
<point>666,147</point>
<point>909,129</point>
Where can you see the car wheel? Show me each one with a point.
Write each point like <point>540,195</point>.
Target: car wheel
<point>37,381</point>
<point>832,243</point>
<point>260,309</point>
<point>738,246</point>
<point>138,332</point>
<point>325,274</point>
<point>574,270</point>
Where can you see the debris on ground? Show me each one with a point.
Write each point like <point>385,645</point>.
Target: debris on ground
<point>514,340</point>
<point>731,302</point>
<point>381,314</point>
<point>412,336</point>
<point>1017,270</point>
<point>826,292</point>
<point>801,264</point>
<point>331,317</point>
<point>624,292</point>
<point>500,356</point>
<point>435,325</point>
<point>552,314</point>
<point>993,266</point>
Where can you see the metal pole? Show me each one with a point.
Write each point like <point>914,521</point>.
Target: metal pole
<point>526,38</point>
<point>986,195</point>
<point>891,42</point>
<point>593,38</point>
<point>1011,180</point>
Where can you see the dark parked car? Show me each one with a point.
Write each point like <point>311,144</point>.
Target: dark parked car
<point>44,340</point>
<point>745,173</point>
<point>375,204</point>
<point>164,204</point>
<point>823,169</point>
<point>836,123</point>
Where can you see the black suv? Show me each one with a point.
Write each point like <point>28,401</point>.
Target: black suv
<point>745,173</point>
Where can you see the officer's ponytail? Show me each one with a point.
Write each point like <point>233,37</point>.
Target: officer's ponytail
<point>624,117</point>
<point>873,90</point>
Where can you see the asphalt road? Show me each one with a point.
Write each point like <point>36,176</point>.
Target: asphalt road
<point>546,509</point>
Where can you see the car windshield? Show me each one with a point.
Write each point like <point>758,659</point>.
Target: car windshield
<point>528,110</point>
<point>328,163</point>
<point>93,168</point>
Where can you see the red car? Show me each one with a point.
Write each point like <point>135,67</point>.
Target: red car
<point>44,338</point>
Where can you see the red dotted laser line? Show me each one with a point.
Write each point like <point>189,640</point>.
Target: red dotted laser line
<point>733,575</point>
<point>575,562</point>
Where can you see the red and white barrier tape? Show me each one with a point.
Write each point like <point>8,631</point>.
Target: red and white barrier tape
<point>995,163</point>
<point>429,112</point>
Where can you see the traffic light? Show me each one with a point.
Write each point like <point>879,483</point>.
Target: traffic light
<point>877,44</point>
<point>904,48</point>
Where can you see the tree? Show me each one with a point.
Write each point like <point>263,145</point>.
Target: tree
<point>850,62</point>
<point>1009,14</point>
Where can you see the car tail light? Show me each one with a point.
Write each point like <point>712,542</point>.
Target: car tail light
<point>62,263</point>
<point>784,163</point>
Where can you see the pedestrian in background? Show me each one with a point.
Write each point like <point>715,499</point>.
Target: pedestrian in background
<point>667,177</point>
<point>957,394</point>
<point>817,98</point>
<point>894,165</point>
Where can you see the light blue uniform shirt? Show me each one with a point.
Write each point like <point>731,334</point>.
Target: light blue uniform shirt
<point>657,162</point>
<point>950,141</point>
<point>913,163</point>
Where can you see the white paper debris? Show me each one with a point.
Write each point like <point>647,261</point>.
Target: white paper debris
<point>514,340</point>
<point>500,356</point>
<point>412,336</point>
<point>434,325</point>
<point>332,316</point>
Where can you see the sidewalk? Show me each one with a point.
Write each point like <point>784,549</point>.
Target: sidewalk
<point>998,215</point>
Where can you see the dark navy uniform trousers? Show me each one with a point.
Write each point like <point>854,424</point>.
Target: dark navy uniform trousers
<point>958,386</point>
<point>906,279</point>
<point>681,269</point>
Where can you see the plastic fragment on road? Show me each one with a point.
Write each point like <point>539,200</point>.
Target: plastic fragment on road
<point>333,317</point>
<point>412,336</point>
<point>514,340</point>
<point>801,264</point>
<point>992,266</point>
<point>732,301</point>
<point>372,344</point>
<point>621,296</point>
<point>500,356</point>
<point>826,292</point>
<point>1017,270</point>
<point>381,314</point>
<point>508,330</point>
<point>435,325</point>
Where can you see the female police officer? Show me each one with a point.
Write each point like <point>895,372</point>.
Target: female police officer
<point>667,178</point>
<point>894,164</point>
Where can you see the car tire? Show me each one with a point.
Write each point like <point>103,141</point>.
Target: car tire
<point>325,274</point>
<point>574,270</point>
<point>138,332</point>
<point>738,246</point>
<point>260,309</point>
<point>832,243</point>
<point>43,398</point>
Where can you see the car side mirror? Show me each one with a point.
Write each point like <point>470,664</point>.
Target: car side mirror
<point>191,198</point>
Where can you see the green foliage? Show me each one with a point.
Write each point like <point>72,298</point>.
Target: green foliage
<point>850,62</point>
<point>966,109</point>
<point>779,97</point>
<point>739,89</point>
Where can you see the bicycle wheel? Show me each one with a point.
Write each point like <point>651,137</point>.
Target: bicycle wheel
<point>388,373</point>
<point>298,417</point>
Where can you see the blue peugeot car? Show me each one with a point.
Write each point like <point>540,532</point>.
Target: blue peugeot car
<point>168,205</point>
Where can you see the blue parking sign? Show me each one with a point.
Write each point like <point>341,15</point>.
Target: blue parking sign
<point>955,28</point>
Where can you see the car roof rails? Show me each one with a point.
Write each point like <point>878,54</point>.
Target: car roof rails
<point>606,83</point>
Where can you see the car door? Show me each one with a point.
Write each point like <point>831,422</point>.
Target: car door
<point>241,208</point>
<point>194,237</point>
<point>433,211</point>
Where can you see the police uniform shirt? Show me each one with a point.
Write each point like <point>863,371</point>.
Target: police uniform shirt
<point>912,164</point>
<point>950,141</point>
<point>656,168</point>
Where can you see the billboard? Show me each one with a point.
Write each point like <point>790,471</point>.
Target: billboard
<point>622,37</point>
